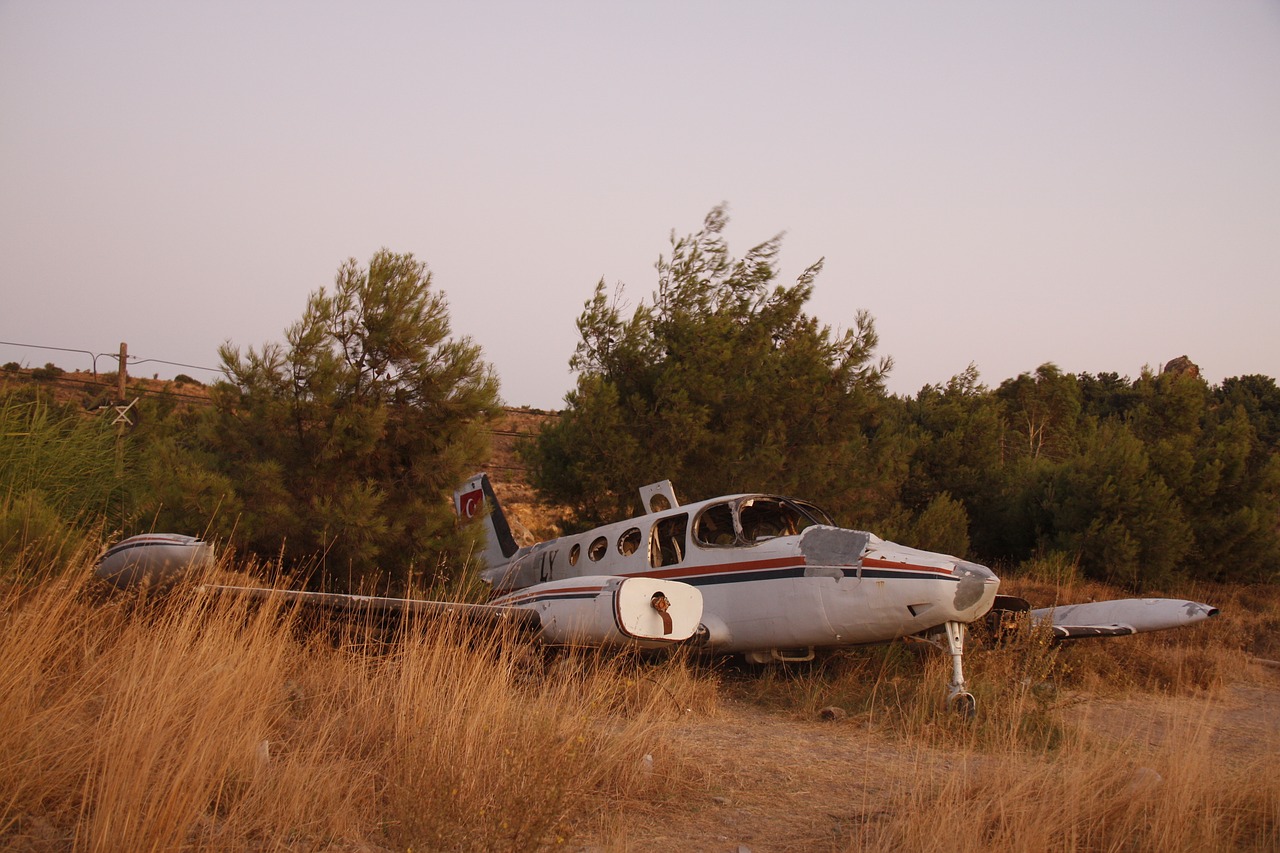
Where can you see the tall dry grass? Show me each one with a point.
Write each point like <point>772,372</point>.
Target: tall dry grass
<point>1098,745</point>
<point>1087,793</point>
<point>199,722</point>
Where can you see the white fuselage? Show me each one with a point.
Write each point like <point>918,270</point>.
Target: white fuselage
<point>772,573</point>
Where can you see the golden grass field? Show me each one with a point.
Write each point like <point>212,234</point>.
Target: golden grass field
<point>200,723</point>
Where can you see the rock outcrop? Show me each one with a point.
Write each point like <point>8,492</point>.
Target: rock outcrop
<point>1182,366</point>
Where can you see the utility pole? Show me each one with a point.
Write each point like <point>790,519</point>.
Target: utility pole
<point>121,409</point>
<point>122,375</point>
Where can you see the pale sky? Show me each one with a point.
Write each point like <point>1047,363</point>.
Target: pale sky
<point>1094,183</point>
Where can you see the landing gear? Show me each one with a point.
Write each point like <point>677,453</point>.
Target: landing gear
<point>959,699</point>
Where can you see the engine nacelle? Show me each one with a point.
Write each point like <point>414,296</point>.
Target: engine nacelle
<point>157,559</point>
<point>611,610</point>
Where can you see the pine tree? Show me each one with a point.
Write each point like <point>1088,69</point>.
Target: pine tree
<point>340,448</point>
<point>721,383</point>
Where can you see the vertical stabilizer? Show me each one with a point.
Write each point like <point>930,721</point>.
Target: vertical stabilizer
<point>475,500</point>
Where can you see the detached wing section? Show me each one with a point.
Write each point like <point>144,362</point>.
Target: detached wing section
<point>1122,616</point>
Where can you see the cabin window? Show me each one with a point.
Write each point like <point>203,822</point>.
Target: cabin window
<point>715,526</point>
<point>574,553</point>
<point>666,540</point>
<point>659,503</point>
<point>629,542</point>
<point>766,518</point>
<point>597,549</point>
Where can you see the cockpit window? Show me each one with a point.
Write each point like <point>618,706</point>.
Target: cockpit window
<point>755,519</point>
<point>818,515</point>
<point>715,526</point>
<point>767,518</point>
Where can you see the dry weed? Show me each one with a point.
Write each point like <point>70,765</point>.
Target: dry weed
<point>203,722</point>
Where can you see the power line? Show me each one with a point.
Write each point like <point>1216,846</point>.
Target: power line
<point>175,364</point>
<point>95,356</point>
<point>59,349</point>
<point>203,399</point>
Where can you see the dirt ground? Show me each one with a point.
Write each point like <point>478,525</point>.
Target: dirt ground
<point>1246,717</point>
<point>780,783</point>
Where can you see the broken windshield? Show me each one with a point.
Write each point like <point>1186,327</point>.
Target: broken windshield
<point>755,519</point>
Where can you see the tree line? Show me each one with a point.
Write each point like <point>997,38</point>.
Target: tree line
<point>722,383</point>
<point>333,454</point>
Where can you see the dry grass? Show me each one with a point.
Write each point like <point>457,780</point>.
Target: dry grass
<point>200,723</point>
<point>1162,742</point>
<point>1088,795</point>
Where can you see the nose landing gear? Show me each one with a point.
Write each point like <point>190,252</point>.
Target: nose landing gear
<point>959,699</point>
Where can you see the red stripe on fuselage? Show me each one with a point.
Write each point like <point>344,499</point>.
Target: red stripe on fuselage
<point>721,568</point>
<point>909,567</point>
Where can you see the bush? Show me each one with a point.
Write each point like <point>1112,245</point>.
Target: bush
<point>33,535</point>
<point>49,371</point>
<point>58,481</point>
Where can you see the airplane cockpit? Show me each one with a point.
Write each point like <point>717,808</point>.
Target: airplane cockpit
<point>754,518</point>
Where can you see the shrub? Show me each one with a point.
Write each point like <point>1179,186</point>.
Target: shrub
<point>49,371</point>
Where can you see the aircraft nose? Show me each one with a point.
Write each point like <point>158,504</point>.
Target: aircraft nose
<point>977,587</point>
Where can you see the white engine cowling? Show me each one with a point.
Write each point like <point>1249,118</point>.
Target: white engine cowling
<point>153,558</point>
<point>611,610</point>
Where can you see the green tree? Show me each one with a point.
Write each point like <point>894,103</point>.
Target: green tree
<point>1108,507</point>
<point>963,452</point>
<point>1107,395</point>
<point>721,383</point>
<point>943,525</point>
<point>344,444</point>
<point>1206,447</point>
<point>1260,399</point>
<point>1043,410</point>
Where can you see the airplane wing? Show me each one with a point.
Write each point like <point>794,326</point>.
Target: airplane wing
<point>604,610</point>
<point>589,610</point>
<point>383,607</point>
<point>1120,617</point>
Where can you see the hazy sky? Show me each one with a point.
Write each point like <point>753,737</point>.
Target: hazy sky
<point>1095,184</point>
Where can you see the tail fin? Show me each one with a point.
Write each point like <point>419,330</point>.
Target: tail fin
<point>476,499</point>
